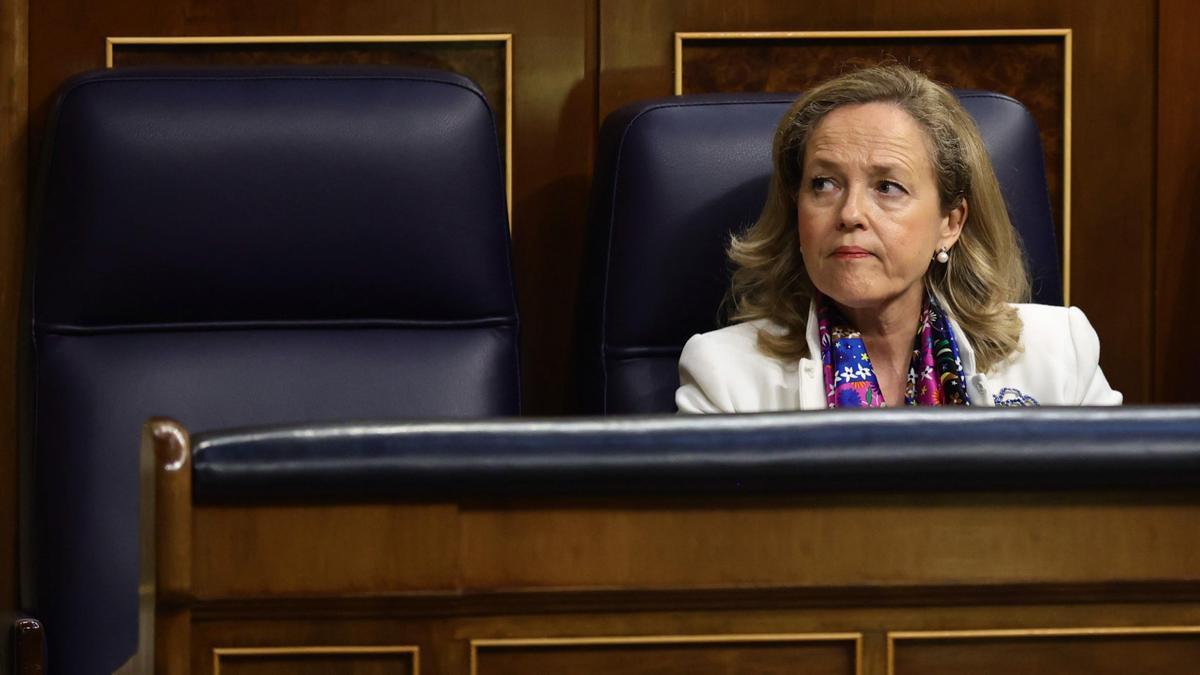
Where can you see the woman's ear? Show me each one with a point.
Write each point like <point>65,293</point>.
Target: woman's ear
<point>952,224</point>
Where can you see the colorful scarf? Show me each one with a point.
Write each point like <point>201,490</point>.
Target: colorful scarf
<point>935,374</point>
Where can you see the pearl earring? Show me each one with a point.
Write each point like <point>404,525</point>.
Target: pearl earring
<point>942,256</point>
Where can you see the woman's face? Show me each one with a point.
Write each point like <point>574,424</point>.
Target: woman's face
<point>868,210</point>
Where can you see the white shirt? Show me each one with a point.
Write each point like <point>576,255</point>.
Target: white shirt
<point>723,371</point>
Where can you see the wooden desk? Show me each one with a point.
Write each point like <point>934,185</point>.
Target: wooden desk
<point>1080,581</point>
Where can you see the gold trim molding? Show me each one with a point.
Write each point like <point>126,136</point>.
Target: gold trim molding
<point>617,640</point>
<point>413,652</point>
<point>505,39</point>
<point>1064,33</point>
<point>1002,633</point>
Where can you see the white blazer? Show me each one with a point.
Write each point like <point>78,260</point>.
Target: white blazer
<point>724,372</point>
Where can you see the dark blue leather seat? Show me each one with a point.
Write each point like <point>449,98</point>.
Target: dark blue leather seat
<point>674,177</point>
<point>238,247</point>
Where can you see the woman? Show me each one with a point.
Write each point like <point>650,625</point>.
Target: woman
<point>883,271</point>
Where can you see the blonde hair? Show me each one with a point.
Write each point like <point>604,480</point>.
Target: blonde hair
<point>986,270</point>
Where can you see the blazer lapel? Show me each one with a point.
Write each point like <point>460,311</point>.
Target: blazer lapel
<point>977,384</point>
<point>812,381</point>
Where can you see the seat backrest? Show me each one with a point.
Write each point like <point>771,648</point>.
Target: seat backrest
<point>233,247</point>
<point>675,177</point>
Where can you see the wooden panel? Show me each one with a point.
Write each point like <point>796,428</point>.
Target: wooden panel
<point>1113,71</point>
<point>276,550</point>
<point>553,124</point>
<point>165,564</point>
<point>445,629</point>
<point>807,542</point>
<point>1096,652</point>
<point>736,655</point>
<point>14,111</point>
<point>878,541</point>
<point>308,641</point>
<point>1178,237</point>
<point>1031,68</point>
<point>316,661</point>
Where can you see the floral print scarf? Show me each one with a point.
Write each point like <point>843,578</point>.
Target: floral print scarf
<point>935,374</point>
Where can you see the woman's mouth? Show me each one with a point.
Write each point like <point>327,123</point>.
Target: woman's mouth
<point>851,252</point>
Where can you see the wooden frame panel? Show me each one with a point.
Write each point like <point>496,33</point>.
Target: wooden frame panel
<point>1177,223</point>
<point>15,536</point>
<point>478,645</point>
<point>1009,633</point>
<point>229,653</point>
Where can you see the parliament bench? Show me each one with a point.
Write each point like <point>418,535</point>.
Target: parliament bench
<point>932,541</point>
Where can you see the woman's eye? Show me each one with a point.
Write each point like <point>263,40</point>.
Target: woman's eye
<point>822,184</point>
<point>888,187</point>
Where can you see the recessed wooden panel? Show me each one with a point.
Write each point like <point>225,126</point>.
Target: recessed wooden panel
<point>316,661</point>
<point>443,626</point>
<point>839,540</point>
<point>1177,242</point>
<point>1032,67</point>
<point>486,59</point>
<point>1067,652</point>
<point>334,548</point>
<point>819,541</point>
<point>14,113</point>
<point>732,655</point>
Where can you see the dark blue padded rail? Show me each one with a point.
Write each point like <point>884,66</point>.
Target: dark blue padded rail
<point>939,449</point>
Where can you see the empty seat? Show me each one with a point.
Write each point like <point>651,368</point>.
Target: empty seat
<point>233,247</point>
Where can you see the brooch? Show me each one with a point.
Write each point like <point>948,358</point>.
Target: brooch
<point>1011,397</point>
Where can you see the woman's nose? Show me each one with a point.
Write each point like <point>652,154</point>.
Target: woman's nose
<point>854,207</point>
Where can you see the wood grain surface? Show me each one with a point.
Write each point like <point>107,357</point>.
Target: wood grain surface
<point>171,447</point>
<point>882,541</point>
<point>682,597</point>
<point>635,584</point>
<point>316,661</point>
<point>1101,653</point>
<point>1177,231</point>
<point>14,112</point>
<point>702,655</point>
